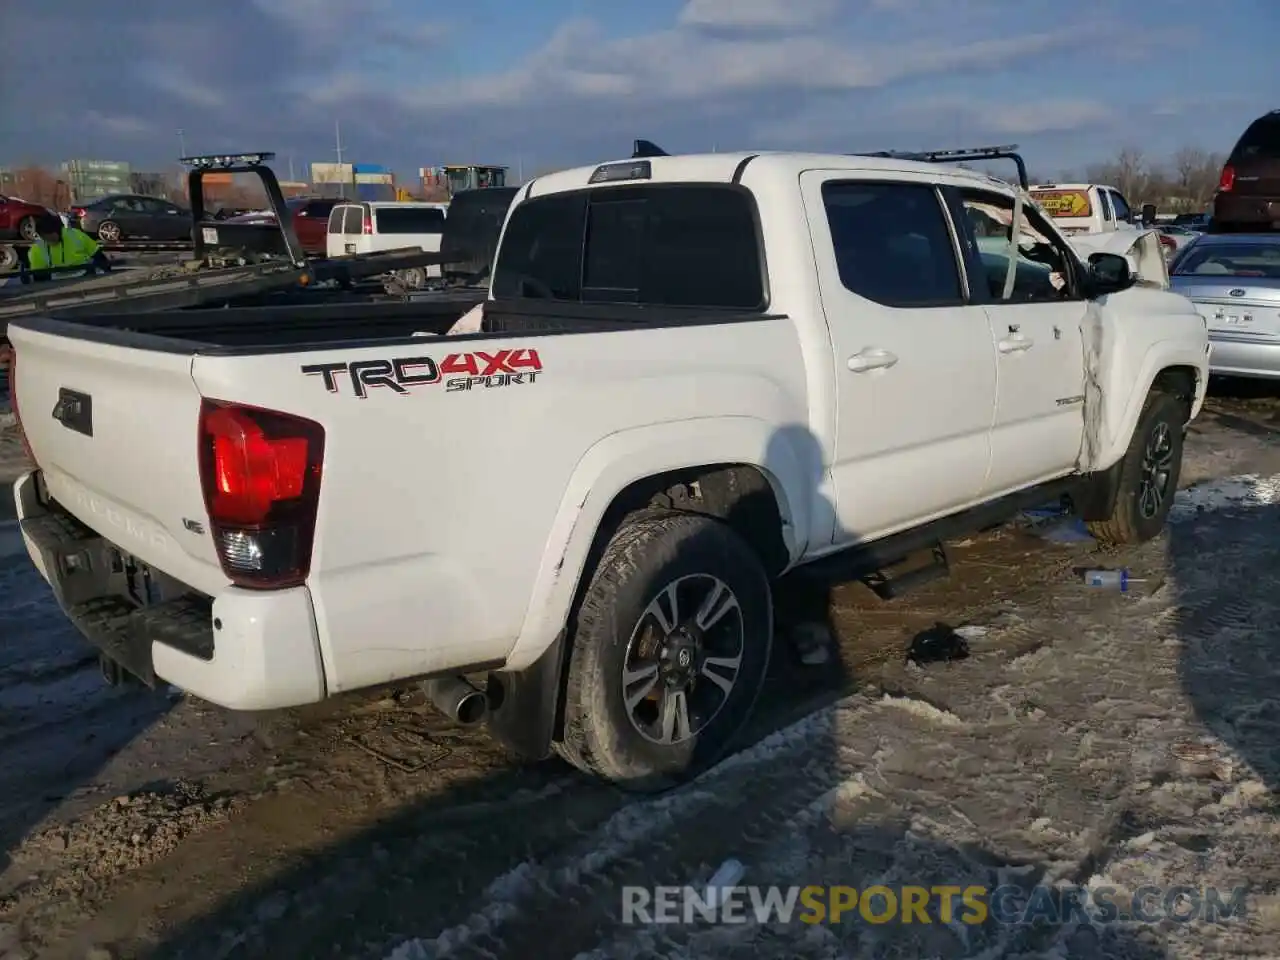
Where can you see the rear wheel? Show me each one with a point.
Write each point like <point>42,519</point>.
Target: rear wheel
<point>670,649</point>
<point>109,231</point>
<point>27,229</point>
<point>1148,475</point>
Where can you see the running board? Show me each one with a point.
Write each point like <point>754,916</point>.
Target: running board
<point>889,586</point>
<point>866,559</point>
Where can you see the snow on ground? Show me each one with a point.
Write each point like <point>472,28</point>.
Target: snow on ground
<point>1066,759</point>
<point>1091,738</point>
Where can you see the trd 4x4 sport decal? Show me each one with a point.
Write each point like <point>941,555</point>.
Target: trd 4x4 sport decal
<point>479,371</point>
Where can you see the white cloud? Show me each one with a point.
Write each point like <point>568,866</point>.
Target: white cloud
<point>679,65</point>
<point>755,14</point>
<point>120,125</point>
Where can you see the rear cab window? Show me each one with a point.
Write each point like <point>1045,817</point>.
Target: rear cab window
<point>415,220</point>
<point>674,245</point>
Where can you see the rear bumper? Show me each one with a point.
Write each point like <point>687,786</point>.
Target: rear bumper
<point>1237,358</point>
<point>243,649</point>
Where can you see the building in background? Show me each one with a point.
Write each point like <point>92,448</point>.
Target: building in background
<point>90,179</point>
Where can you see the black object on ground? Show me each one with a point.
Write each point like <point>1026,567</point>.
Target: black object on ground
<point>938,644</point>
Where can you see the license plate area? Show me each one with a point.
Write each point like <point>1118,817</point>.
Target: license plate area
<point>136,580</point>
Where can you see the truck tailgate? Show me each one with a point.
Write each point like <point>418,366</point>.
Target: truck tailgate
<point>114,430</point>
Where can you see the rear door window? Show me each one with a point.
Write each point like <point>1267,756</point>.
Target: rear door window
<point>892,244</point>
<point>684,245</point>
<point>335,220</point>
<point>352,220</point>
<point>408,220</point>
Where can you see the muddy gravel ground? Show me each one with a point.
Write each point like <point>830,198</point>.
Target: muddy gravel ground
<point>1089,738</point>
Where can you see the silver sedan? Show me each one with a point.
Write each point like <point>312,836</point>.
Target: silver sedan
<point>1234,281</point>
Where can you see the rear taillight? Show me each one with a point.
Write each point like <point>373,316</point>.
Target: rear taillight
<point>9,363</point>
<point>368,224</point>
<point>1228,179</point>
<point>260,471</point>
<point>78,213</point>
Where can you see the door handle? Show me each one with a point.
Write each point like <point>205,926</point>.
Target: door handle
<point>872,359</point>
<point>1015,344</point>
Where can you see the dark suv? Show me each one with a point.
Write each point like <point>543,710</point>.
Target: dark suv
<point>1248,197</point>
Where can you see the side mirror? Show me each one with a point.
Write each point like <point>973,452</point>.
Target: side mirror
<point>1109,273</point>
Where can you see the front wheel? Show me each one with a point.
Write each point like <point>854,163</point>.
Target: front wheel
<point>27,229</point>
<point>670,650</point>
<point>1148,474</point>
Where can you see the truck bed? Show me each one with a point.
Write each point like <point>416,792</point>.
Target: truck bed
<point>291,328</point>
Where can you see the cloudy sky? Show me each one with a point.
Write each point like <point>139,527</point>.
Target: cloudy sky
<point>541,85</point>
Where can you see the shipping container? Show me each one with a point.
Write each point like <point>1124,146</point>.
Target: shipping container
<point>375,178</point>
<point>369,168</point>
<point>332,173</point>
<point>375,191</point>
<point>218,179</point>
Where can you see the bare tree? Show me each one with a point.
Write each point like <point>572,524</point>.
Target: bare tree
<point>1195,175</point>
<point>1128,172</point>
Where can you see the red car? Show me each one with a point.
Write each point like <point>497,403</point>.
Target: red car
<point>310,217</point>
<point>18,219</point>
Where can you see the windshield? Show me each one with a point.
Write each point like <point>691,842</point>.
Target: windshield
<point>1228,259</point>
<point>1063,203</point>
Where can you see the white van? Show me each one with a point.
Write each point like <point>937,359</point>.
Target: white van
<point>376,226</point>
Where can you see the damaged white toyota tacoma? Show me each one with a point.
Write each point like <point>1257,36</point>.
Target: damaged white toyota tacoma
<point>692,375</point>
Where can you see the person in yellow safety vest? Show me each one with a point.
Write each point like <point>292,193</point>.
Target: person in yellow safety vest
<point>61,247</point>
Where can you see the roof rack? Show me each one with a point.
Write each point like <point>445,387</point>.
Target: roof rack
<point>963,155</point>
<point>643,149</point>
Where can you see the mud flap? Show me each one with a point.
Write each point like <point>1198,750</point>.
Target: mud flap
<point>524,710</point>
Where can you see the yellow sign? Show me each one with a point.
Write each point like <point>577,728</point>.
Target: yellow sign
<point>1064,203</point>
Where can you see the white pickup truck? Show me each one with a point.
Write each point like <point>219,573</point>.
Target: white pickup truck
<point>693,374</point>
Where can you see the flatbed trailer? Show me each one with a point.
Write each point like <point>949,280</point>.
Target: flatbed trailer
<point>271,269</point>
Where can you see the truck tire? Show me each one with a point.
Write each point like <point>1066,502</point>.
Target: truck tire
<point>670,648</point>
<point>1148,474</point>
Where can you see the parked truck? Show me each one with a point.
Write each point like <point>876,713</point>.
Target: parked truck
<point>693,374</point>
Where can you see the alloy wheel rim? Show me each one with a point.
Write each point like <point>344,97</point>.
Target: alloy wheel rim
<point>683,659</point>
<point>1157,468</point>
